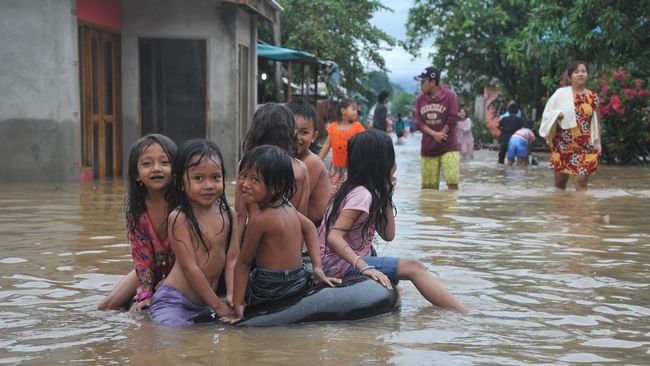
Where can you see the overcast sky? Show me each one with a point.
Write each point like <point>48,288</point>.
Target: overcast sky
<point>400,64</point>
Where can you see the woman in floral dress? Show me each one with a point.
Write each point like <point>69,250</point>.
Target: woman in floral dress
<point>575,132</point>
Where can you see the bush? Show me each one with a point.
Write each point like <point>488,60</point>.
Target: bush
<point>480,132</point>
<point>624,117</point>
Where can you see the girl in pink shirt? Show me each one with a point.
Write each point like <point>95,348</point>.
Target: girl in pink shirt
<point>464,134</point>
<point>362,206</point>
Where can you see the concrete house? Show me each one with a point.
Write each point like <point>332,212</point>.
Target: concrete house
<point>83,79</point>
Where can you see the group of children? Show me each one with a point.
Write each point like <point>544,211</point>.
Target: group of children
<point>185,236</point>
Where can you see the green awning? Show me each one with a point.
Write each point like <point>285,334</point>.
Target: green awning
<point>276,53</point>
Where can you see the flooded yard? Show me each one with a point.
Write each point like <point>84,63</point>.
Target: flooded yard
<point>553,278</point>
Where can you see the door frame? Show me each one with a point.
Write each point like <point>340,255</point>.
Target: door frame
<point>93,158</point>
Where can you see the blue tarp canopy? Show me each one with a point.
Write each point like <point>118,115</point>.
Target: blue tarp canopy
<point>276,53</point>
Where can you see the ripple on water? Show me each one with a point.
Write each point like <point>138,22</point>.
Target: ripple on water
<point>585,321</point>
<point>585,358</point>
<point>12,260</point>
<point>520,299</point>
<point>9,319</point>
<point>621,240</point>
<point>613,343</point>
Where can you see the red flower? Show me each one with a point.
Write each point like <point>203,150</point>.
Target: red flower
<point>620,75</point>
<point>616,105</point>
<point>604,111</point>
<point>629,93</point>
<point>604,90</point>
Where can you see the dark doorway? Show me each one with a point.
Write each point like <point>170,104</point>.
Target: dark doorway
<point>173,87</point>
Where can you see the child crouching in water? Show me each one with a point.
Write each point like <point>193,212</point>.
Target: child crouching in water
<point>201,232</point>
<point>363,205</point>
<point>274,236</point>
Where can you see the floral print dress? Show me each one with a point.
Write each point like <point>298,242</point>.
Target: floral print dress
<point>153,257</point>
<point>572,151</point>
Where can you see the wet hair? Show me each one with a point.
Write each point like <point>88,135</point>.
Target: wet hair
<point>303,109</point>
<point>370,159</point>
<point>513,109</point>
<point>191,154</point>
<point>135,205</point>
<point>274,165</point>
<point>382,96</point>
<point>344,103</point>
<point>573,65</point>
<point>273,124</point>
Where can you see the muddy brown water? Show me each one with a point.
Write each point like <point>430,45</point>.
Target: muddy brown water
<point>554,278</point>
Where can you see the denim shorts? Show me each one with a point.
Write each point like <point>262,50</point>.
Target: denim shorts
<point>517,148</point>
<point>268,285</point>
<point>385,265</point>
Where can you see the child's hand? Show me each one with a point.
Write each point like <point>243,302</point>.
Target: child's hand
<point>320,276</point>
<point>379,277</point>
<point>235,316</point>
<point>229,300</point>
<point>223,309</point>
<point>139,306</point>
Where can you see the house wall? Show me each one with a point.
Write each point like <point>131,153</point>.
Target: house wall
<point>219,23</point>
<point>39,103</point>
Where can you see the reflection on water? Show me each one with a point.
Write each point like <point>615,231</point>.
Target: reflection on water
<point>553,278</point>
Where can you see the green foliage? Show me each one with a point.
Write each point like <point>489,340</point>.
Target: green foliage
<point>624,117</point>
<point>603,32</point>
<point>480,131</point>
<point>335,30</point>
<point>523,46</point>
<point>472,39</point>
<point>376,82</point>
<point>402,102</point>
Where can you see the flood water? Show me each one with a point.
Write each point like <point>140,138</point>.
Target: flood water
<point>555,278</point>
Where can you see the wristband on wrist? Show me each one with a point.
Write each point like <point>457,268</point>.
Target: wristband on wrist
<point>366,268</point>
<point>354,264</point>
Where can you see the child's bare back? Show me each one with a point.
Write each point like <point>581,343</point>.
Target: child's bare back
<point>320,186</point>
<point>279,236</point>
<point>300,199</point>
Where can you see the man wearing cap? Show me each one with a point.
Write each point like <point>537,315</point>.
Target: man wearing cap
<point>436,114</point>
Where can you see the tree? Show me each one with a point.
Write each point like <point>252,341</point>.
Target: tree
<point>524,45</point>
<point>400,100</point>
<point>471,38</point>
<point>335,30</point>
<point>608,34</point>
<point>403,102</point>
<point>378,81</point>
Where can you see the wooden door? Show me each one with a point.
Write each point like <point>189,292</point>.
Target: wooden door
<point>99,55</point>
